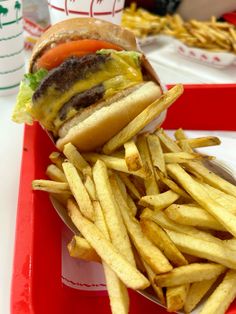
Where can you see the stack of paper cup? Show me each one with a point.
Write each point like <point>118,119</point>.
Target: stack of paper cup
<point>11,46</point>
<point>109,10</point>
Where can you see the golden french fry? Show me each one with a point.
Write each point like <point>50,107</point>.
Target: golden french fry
<point>183,157</point>
<point>172,185</point>
<point>196,292</point>
<point>223,295</point>
<point>215,252</point>
<point>114,163</point>
<point>175,297</point>
<point>180,135</point>
<point>132,156</point>
<point>156,152</point>
<point>213,179</point>
<point>79,247</point>
<point>189,273</point>
<point>51,186</point>
<point>160,201</point>
<point>145,117</point>
<point>193,215</point>
<point>130,186</point>
<point>90,187</point>
<point>131,205</point>
<point>78,190</point>
<point>55,173</point>
<point>226,200</point>
<point>113,218</point>
<point>117,291</point>
<point>227,219</point>
<point>74,156</point>
<point>107,251</point>
<point>160,238</point>
<point>149,253</point>
<point>162,220</point>
<point>167,142</point>
<point>158,290</point>
<point>150,182</point>
<point>57,159</point>
<point>201,141</point>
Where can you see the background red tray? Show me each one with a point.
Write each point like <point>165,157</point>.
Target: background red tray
<point>36,280</point>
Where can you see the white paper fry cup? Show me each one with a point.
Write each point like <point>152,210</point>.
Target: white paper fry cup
<point>11,46</point>
<point>108,10</point>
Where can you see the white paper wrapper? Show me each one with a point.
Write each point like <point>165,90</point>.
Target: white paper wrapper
<point>210,58</point>
<point>11,46</point>
<point>78,274</point>
<point>109,10</point>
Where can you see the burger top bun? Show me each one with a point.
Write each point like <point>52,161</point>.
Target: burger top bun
<point>83,28</point>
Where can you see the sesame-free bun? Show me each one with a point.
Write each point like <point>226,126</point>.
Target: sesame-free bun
<point>104,123</point>
<point>82,28</point>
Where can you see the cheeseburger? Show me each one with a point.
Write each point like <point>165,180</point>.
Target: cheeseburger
<point>87,80</point>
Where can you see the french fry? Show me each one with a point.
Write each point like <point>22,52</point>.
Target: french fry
<point>162,220</point>
<point>90,187</point>
<point>180,135</point>
<point>183,157</point>
<point>158,290</point>
<point>78,190</point>
<point>145,117</point>
<point>227,219</point>
<point>149,253</point>
<point>189,273</point>
<point>55,173</point>
<point>156,152</point>
<point>132,156</point>
<point>160,238</point>
<point>150,182</point>
<point>107,251</point>
<point>196,292</point>
<point>113,218</point>
<point>172,185</point>
<point>160,201</point>
<point>57,159</point>
<point>215,252</point>
<point>73,155</point>
<point>175,297</point>
<point>130,186</point>
<point>131,205</point>
<point>226,200</point>
<point>201,141</point>
<point>117,291</point>
<point>78,247</point>
<point>51,186</point>
<point>213,179</point>
<point>114,163</point>
<point>193,215</point>
<point>167,142</point>
<point>223,295</point>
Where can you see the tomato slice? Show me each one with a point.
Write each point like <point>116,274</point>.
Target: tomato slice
<point>56,55</point>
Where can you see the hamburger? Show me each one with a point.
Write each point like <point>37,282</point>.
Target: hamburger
<point>87,80</point>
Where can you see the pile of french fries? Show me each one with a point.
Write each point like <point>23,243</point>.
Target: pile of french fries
<point>211,35</point>
<point>153,214</point>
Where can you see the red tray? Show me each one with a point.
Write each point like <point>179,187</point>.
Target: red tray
<point>36,280</point>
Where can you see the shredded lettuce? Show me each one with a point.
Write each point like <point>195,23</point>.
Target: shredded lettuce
<point>134,55</point>
<point>34,79</point>
<point>31,81</point>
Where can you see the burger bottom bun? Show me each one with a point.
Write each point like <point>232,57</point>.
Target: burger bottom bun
<point>104,123</point>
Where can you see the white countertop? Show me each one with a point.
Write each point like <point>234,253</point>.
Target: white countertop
<point>170,67</point>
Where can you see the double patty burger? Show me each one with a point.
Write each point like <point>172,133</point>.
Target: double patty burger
<point>87,80</point>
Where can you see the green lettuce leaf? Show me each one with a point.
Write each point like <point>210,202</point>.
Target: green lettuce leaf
<point>21,111</point>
